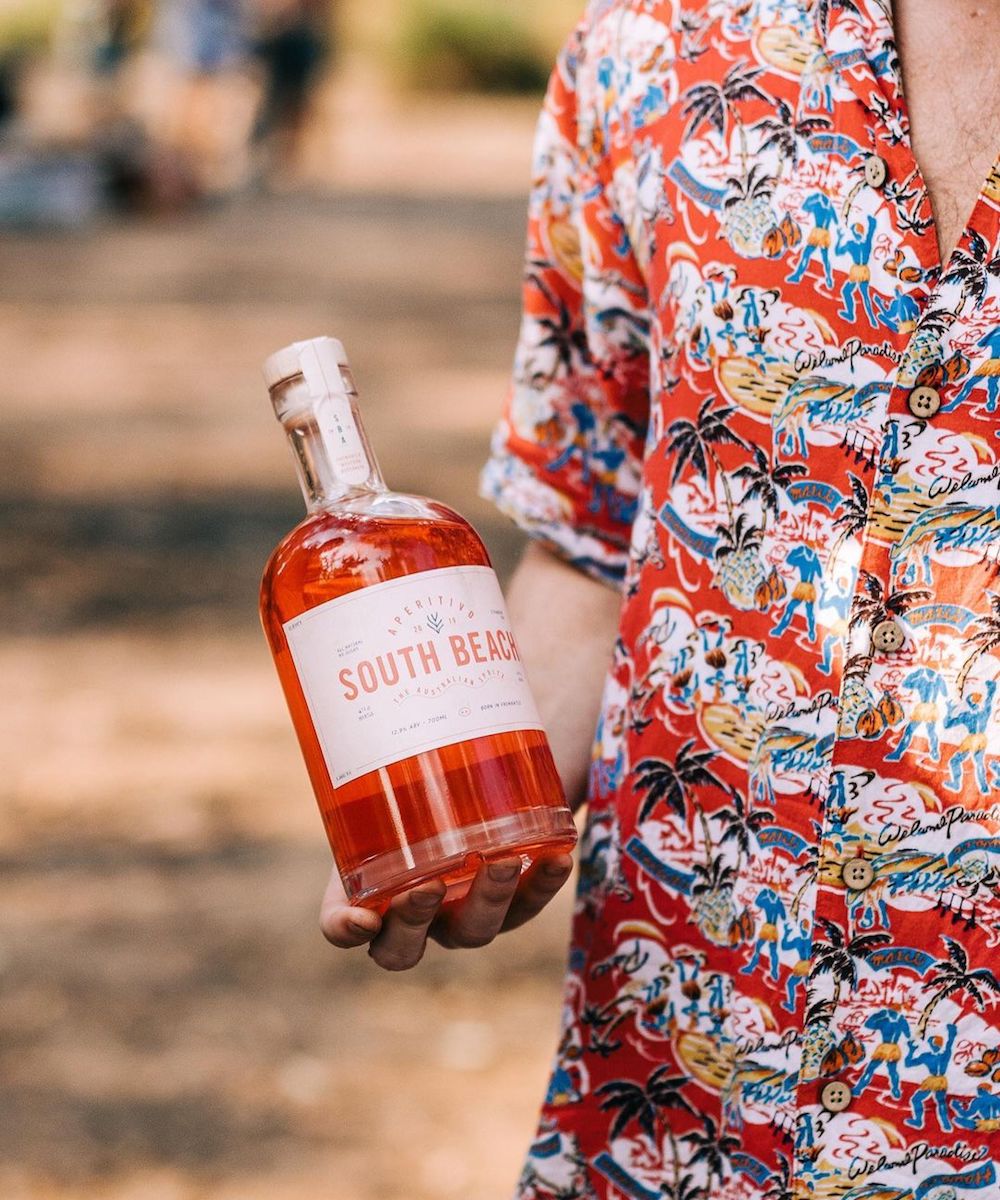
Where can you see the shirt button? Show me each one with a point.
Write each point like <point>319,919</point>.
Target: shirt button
<point>858,874</point>
<point>888,637</point>
<point>876,171</point>
<point>835,1097</point>
<point>924,401</point>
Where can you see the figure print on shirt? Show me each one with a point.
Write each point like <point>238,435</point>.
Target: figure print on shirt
<point>732,294</point>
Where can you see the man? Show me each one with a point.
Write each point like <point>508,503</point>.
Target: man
<point>739,274</point>
<point>294,46</point>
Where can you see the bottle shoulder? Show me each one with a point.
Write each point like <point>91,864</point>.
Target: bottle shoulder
<point>399,506</point>
<point>362,542</point>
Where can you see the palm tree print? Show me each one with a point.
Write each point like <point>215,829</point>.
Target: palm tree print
<point>603,1022</point>
<point>779,1185</point>
<point>742,825</point>
<point>545,1189</point>
<point>713,104</point>
<point>857,667</point>
<point>823,8</point>
<point>713,1148</point>
<point>684,1188</point>
<point>645,1105</point>
<point>808,871</point>
<point>713,877</point>
<point>853,516</point>
<point>985,638</point>
<point>694,442</point>
<point>671,783</point>
<point>952,976</point>
<point>639,1103</point>
<point>785,132</point>
<point>712,897</point>
<point>747,209</point>
<point>733,539</point>
<point>756,184</point>
<point>872,605</point>
<point>860,714</point>
<point>972,269</point>
<point>563,333</point>
<point>820,1012</point>
<point>838,955</point>
<point>766,482</point>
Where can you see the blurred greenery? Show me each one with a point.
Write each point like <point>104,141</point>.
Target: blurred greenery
<point>454,47</point>
<point>464,45</point>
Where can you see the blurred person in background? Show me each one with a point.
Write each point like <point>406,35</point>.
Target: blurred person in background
<point>157,96</point>
<point>208,91</point>
<point>756,392</point>
<point>122,26</point>
<point>138,175</point>
<point>69,145</point>
<point>294,44</point>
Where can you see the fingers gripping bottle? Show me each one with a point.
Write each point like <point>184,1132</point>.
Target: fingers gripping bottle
<point>396,656</point>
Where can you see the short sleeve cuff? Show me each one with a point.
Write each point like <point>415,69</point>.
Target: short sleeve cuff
<point>548,516</point>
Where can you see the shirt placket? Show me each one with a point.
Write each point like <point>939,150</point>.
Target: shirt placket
<point>844,866</point>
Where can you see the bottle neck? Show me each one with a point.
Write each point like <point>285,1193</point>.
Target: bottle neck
<point>333,457</point>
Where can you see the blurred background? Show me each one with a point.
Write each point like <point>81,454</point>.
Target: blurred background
<point>186,185</point>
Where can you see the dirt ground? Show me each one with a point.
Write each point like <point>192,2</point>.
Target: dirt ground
<point>172,1025</point>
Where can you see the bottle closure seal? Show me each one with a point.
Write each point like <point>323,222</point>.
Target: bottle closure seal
<point>320,361</point>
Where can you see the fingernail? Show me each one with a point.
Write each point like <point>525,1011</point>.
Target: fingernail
<point>554,869</point>
<point>365,930</point>
<point>425,900</point>
<point>504,872</point>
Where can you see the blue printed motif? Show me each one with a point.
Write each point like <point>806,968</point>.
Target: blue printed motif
<point>728,315</point>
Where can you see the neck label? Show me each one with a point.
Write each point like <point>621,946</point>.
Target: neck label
<point>342,440</point>
<point>414,664</point>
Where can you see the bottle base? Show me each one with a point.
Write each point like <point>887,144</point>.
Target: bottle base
<point>456,855</point>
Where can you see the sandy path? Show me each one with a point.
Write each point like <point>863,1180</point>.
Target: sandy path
<point>171,1024</point>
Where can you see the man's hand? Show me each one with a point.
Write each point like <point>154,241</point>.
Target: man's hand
<point>500,898</point>
<point>566,661</point>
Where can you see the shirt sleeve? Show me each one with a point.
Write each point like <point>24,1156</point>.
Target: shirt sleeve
<point>566,455</point>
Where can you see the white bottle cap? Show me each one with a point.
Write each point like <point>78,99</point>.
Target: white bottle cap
<point>319,360</point>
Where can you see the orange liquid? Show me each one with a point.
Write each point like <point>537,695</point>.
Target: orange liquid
<point>438,814</point>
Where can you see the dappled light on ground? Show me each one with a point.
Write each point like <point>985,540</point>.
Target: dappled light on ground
<point>172,1026</point>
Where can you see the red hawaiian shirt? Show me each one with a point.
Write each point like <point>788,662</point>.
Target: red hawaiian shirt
<point>748,392</point>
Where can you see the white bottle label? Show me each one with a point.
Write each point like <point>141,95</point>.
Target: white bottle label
<point>414,664</point>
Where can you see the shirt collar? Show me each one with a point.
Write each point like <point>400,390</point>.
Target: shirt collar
<point>860,43</point>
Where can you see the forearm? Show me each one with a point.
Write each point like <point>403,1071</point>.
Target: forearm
<point>566,624</point>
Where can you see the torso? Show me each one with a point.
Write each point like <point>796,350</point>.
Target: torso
<point>734,177</point>
<point>949,54</point>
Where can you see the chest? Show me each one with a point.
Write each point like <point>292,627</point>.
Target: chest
<point>948,68</point>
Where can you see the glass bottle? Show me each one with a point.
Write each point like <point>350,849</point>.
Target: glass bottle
<point>394,650</point>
